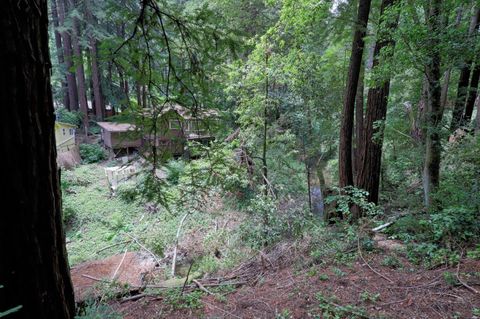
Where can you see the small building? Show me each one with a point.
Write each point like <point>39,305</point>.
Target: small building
<point>178,125</point>
<point>64,136</point>
<point>118,136</point>
<point>174,127</point>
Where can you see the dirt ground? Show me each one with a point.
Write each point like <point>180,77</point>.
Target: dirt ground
<point>364,289</point>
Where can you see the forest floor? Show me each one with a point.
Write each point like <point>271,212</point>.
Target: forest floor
<point>321,275</point>
<point>369,287</point>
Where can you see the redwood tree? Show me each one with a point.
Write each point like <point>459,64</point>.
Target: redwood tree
<point>377,100</point>
<point>345,149</point>
<point>33,269</point>
<point>433,115</point>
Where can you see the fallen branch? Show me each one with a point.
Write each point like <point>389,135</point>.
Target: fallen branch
<point>96,279</point>
<point>366,263</point>
<point>119,265</point>
<point>146,249</point>
<point>174,258</point>
<point>226,312</point>
<point>464,283</point>
<point>113,245</point>
<point>202,287</point>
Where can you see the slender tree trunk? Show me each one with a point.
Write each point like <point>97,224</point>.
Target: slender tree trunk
<point>472,94</point>
<point>377,101</point>
<point>345,149</point>
<point>67,46</point>
<point>448,72</point>
<point>34,269</point>
<point>96,79</point>
<point>359,125</point>
<point>138,91</point>
<point>433,116</point>
<point>80,72</point>
<point>96,73</point>
<point>463,82</point>
<point>59,47</point>
<point>265,128</point>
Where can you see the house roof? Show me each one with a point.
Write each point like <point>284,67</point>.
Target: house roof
<point>116,127</point>
<point>187,113</point>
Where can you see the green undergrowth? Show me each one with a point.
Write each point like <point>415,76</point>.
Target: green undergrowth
<point>100,225</point>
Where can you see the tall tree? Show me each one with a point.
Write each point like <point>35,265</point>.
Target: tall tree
<point>463,82</point>
<point>59,47</point>
<point>34,268</point>
<point>377,100</point>
<point>433,114</point>
<point>345,149</point>
<point>67,50</point>
<point>96,75</point>
<point>472,94</point>
<point>80,72</point>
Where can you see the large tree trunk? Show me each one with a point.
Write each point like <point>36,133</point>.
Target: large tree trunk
<point>67,47</point>
<point>33,269</point>
<point>433,116</point>
<point>80,72</point>
<point>58,45</point>
<point>464,79</point>
<point>377,100</point>
<point>96,79</point>
<point>345,149</point>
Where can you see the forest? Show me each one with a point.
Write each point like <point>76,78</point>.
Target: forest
<point>240,159</point>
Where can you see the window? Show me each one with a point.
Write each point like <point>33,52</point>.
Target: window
<point>174,125</point>
<point>63,131</point>
<point>72,131</point>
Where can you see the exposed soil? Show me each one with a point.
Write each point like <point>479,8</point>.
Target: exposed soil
<point>128,268</point>
<point>282,287</point>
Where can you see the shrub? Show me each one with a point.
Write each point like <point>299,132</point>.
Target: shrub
<point>92,153</point>
<point>65,116</point>
<point>128,192</point>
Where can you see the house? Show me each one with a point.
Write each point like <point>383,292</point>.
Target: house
<point>64,136</point>
<point>175,125</point>
<point>118,136</point>
<point>68,154</point>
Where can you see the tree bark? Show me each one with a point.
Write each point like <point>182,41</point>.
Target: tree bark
<point>80,72</point>
<point>34,268</point>
<point>96,79</point>
<point>463,81</point>
<point>359,124</point>
<point>433,116</point>
<point>448,72</point>
<point>377,101</point>
<point>67,46</point>
<point>345,149</point>
<point>59,47</point>
<point>96,73</point>
<point>472,94</point>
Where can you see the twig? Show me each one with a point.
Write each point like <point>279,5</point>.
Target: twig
<point>464,283</point>
<point>96,279</point>
<point>110,246</point>
<point>186,278</point>
<point>366,263</point>
<point>145,248</point>
<point>174,258</point>
<point>120,264</point>
<point>202,287</point>
<point>228,313</point>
